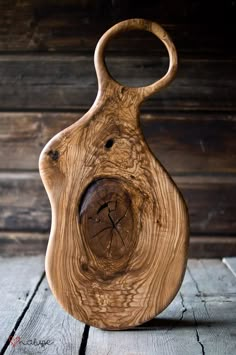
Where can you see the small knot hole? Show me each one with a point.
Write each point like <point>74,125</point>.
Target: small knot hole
<point>109,143</point>
<point>54,154</point>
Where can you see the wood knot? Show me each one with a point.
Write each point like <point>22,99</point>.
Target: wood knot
<point>53,154</point>
<point>109,143</point>
<point>107,219</point>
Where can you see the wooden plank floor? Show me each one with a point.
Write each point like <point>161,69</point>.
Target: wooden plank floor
<point>200,320</point>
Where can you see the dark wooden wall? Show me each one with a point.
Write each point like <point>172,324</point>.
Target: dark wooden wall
<point>47,81</point>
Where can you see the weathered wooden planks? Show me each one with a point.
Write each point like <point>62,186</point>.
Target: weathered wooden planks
<point>46,328</point>
<point>212,246</point>
<point>212,278</point>
<point>217,292</point>
<point>22,243</point>
<point>192,143</point>
<point>200,143</point>
<point>183,142</point>
<point>173,332</point>
<point>215,214</point>
<point>48,25</point>
<point>33,243</point>
<point>201,320</point>
<point>168,335</point>
<point>197,313</point>
<point>24,205</point>
<point>19,279</point>
<point>68,82</point>
<point>24,134</point>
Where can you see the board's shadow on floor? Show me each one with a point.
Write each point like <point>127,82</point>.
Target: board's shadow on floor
<point>167,324</point>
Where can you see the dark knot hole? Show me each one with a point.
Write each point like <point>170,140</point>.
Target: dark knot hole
<point>109,143</point>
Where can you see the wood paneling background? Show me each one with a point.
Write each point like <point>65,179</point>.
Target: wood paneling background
<point>47,81</point>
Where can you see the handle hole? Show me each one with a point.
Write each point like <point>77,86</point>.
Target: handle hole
<point>140,58</point>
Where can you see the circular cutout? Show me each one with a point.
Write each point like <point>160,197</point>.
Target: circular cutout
<point>133,69</point>
<point>103,74</point>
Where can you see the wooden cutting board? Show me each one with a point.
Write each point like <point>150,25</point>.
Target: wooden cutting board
<point>119,237</point>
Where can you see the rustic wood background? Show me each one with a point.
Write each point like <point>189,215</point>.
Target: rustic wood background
<point>47,81</point>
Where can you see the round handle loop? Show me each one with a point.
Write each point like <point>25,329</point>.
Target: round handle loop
<point>103,75</point>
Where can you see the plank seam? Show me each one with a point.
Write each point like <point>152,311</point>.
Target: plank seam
<point>20,318</point>
<point>176,323</point>
<point>184,308</point>
<point>214,54</point>
<point>199,292</point>
<point>83,345</point>
<point>144,110</point>
<point>229,177</point>
<point>197,334</point>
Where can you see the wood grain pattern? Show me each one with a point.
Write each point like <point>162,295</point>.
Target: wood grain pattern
<point>106,149</point>
<point>46,25</point>
<point>212,277</point>
<point>68,82</point>
<point>183,142</point>
<point>212,246</point>
<point>23,205</point>
<point>214,312</point>
<point>19,278</point>
<point>108,219</point>
<point>171,333</point>
<point>34,243</point>
<point>22,243</point>
<point>47,323</point>
<point>200,320</point>
<point>211,202</point>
